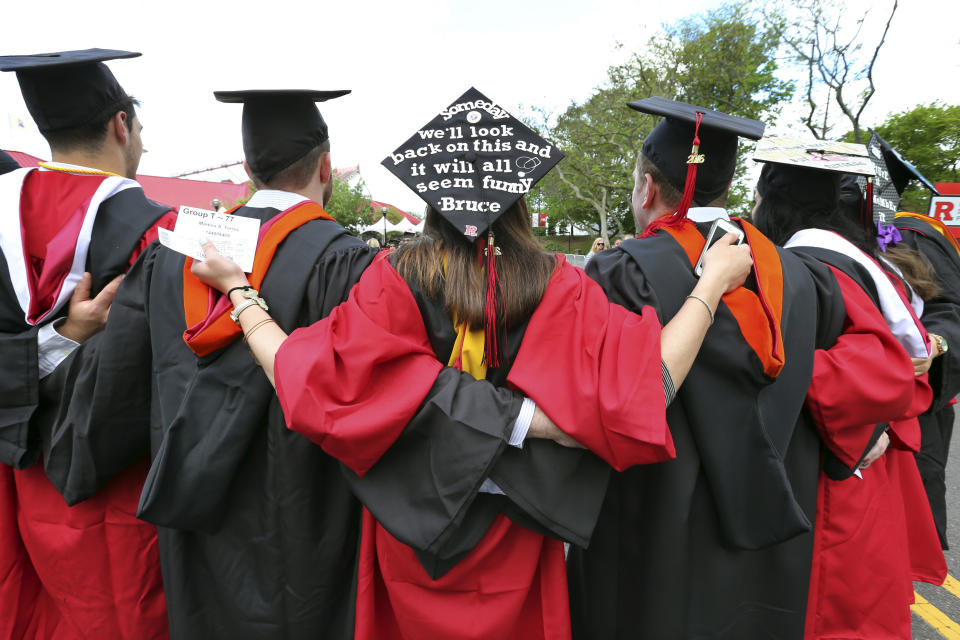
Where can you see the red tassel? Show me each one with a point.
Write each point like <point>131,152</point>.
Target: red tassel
<point>491,351</point>
<point>866,211</point>
<point>678,217</point>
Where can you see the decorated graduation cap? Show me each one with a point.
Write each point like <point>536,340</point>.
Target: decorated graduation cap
<point>810,173</point>
<point>279,126</point>
<point>893,175</point>
<point>68,88</point>
<point>472,162</point>
<point>695,149</point>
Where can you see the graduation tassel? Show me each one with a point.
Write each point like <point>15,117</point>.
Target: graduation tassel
<point>491,351</point>
<point>678,217</point>
<point>868,205</point>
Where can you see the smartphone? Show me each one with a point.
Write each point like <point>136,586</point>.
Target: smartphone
<point>719,229</point>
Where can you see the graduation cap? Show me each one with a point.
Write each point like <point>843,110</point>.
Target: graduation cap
<point>279,126</point>
<point>812,174</point>
<point>68,88</point>
<point>901,172</point>
<point>7,163</point>
<point>472,162</point>
<point>694,147</point>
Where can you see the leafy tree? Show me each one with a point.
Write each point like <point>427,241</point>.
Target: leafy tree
<point>928,137</point>
<point>723,59</point>
<point>349,205</point>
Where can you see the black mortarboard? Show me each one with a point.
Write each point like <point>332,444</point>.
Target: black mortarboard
<point>901,172</point>
<point>697,141</point>
<point>7,163</point>
<point>472,162</point>
<point>279,126</point>
<point>810,189</point>
<point>69,88</point>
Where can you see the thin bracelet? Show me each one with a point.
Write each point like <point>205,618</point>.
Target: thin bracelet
<point>243,288</point>
<point>247,335</point>
<point>705,303</point>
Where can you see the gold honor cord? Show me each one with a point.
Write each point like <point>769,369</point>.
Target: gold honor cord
<point>79,170</point>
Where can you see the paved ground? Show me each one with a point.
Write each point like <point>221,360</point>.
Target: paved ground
<point>946,624</point>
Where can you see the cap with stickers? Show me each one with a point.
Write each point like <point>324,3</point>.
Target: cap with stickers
<point>695,149</point>
<point>68,88</point>
<point>279,126</point>
<point>810,173</point>
<point>472,162</point>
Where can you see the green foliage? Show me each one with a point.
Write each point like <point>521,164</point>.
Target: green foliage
<point>723,59</point>
<point>349,205</point>
<point>928,137</point>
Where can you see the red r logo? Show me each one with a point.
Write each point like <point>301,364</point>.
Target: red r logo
<point>942,211</point>
<point>470,230</point>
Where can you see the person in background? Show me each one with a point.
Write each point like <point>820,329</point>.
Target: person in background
<point>68,230</point>
<point>597,246</point>
<point>373,243</point>
<point>874,527</point>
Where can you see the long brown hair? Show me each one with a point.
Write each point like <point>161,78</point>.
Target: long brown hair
<point>916,269</point>
<point>523,267</point>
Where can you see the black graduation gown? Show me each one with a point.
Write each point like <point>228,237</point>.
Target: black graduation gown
<point>122,220</point>
<point>941,315</point>
<point>257,526</point>
<point>718,542</point>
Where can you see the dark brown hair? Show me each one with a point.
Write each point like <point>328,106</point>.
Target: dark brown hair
<point>90,136</point>
<point>670,194</point>
<point>297,175</point>
<point>524,268</point>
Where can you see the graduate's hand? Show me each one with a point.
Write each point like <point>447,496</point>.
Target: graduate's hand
<point>87,316</point>
<point>217,271</point>
<point>726,265</point>
<point>878,450</point>
<point>922,365</point>
<point>544,428</point>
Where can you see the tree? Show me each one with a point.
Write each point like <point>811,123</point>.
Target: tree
<point>723,59</point>
<point>836,67</point>
<point>928,137</point>
<point>349,205</point>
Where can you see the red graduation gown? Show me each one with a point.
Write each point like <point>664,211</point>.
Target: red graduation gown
<point>331,379</point>
<point>91,570</point>
<point>874,535</point>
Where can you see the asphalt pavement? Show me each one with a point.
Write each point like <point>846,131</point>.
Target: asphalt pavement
<point>941,617</point>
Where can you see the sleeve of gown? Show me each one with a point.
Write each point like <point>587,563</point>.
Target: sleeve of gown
<point>331,376</point>
<point>96,404</point>
<point>849,393</point>
<point>19,397</point>
<point>421,488</point>
<point>590,364</point>
<point>941,315</point>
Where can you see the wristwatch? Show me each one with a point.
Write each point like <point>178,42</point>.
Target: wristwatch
<point>941,343</point>
<point>252,298</point>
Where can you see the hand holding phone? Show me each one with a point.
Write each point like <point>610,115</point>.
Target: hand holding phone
<point>718,229</point>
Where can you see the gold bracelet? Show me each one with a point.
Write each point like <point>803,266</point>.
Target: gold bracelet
<point>246,336</point>
<point>705,303</point>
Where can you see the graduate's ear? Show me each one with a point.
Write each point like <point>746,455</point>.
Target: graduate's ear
<point>324,168</point>
<point>246,169</point>
<point>650,191</point>
<point>118,126</point>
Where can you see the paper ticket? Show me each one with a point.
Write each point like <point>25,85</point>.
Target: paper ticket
<point>235,237</point>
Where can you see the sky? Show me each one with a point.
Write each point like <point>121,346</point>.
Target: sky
<point>404,61</point>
